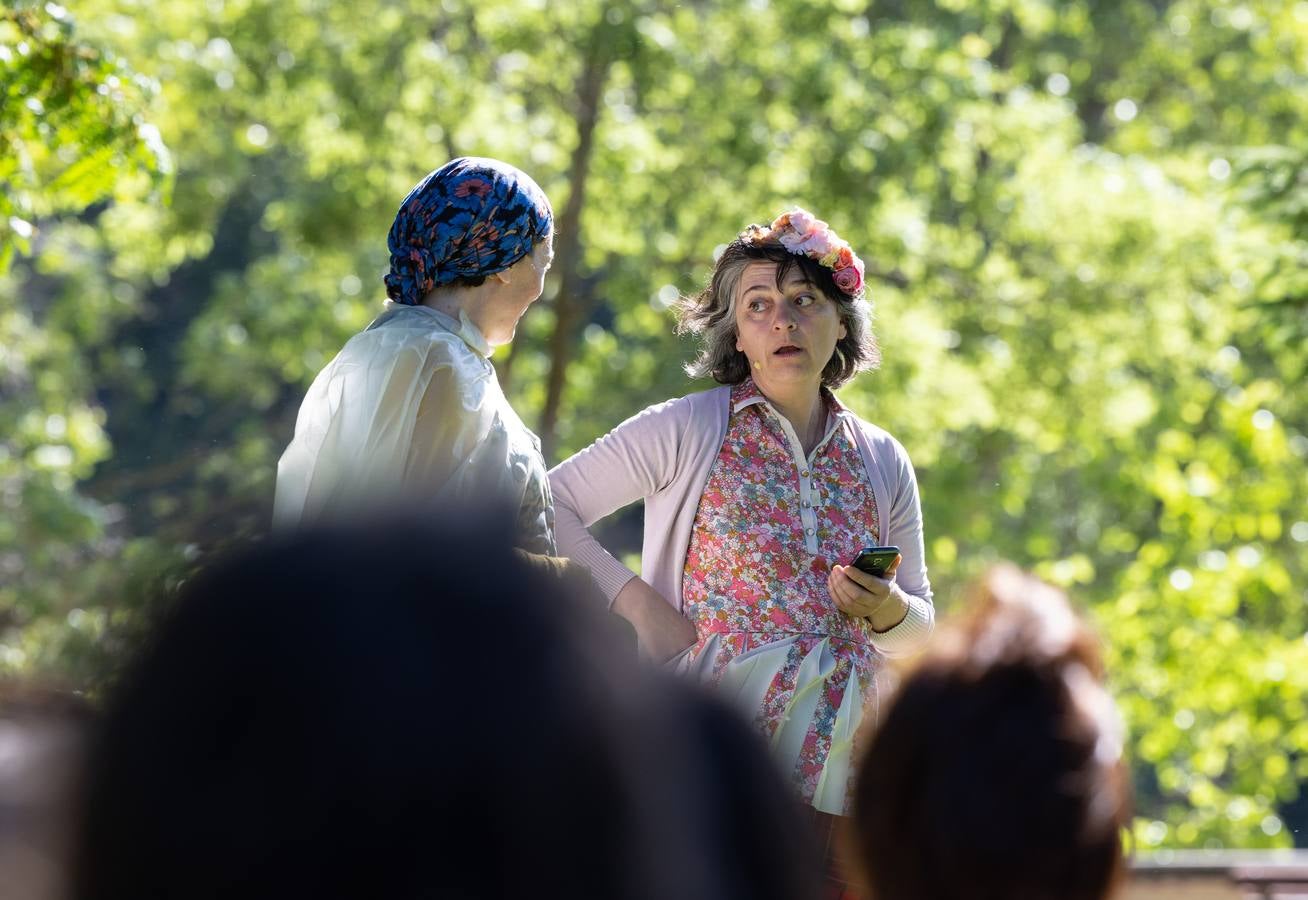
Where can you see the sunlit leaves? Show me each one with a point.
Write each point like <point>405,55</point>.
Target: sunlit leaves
<point>1085,230</point>
<point>72,123</point>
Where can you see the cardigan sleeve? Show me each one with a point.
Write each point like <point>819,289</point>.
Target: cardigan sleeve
<point>905,532</point>
<point>633,461</point>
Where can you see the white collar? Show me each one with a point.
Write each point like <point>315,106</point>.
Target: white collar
<point>463,327</point>
<point>835,411</point>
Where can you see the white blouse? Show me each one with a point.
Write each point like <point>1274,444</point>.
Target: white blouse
<point>410,411</point>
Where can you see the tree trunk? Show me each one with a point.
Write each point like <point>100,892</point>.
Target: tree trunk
<point>572,302</point>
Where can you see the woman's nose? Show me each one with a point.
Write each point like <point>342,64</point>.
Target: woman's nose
<point>784,321</point>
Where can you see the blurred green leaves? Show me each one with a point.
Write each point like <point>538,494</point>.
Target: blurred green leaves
<point>72,129</point>
<point>1086,227</point>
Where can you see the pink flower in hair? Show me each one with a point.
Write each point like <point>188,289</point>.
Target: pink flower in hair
<point>804,222</point>
<point>790,240</point>
<point>815,244</point>
<point>849,279</point>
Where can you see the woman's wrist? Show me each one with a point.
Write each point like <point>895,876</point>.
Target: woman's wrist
<point>662,631</point>
<point>633,602</point>
<point>892,612</point>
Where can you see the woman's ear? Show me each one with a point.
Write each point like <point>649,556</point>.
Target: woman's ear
<point>503,276</point>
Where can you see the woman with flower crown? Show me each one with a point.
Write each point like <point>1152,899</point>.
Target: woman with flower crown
<point>758,494</point>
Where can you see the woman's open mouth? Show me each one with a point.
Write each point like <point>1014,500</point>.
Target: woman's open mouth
<point>787,350</point>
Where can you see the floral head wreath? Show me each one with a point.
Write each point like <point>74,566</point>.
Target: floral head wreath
<point>803,234</point>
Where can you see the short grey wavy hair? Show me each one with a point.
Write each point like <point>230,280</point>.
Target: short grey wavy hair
<point>711,316</point>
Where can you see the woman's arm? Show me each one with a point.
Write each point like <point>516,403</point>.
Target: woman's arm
<point>633,461</point>
<point>661,631</point>
<point>910,585</point>
<point>898,605</point>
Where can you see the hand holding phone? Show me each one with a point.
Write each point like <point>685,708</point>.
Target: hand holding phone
<point>875,560</point>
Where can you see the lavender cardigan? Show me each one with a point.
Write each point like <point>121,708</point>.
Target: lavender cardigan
<point>664,454</point>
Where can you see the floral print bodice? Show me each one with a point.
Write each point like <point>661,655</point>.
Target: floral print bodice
<point>771,523</point>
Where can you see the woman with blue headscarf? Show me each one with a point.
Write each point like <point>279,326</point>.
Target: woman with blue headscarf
<point>410,410</point>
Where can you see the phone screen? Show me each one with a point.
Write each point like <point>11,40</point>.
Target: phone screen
<point>875,560</point>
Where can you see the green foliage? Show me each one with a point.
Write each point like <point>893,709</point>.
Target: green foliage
<point>71,132</point>
<point>72,135</point>
<point>1086,227</point>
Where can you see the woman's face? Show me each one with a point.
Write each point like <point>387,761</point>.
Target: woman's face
<point>789,333</point>
<point>521,286</point>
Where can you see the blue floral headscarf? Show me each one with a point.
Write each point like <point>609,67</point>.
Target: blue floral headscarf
<point>470,218</point>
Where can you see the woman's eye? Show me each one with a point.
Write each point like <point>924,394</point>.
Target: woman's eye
<point>756,305</point>
<point>805,300</point>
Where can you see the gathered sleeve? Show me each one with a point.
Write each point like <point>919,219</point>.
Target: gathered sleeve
<point>905,532</point>
<point>635,460</point>
<point>391,416</point>
<point>454,420</point>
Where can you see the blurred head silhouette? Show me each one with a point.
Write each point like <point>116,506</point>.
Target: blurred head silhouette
<point>996,771</point>
<point>42,735</point>
<point>405,710</point>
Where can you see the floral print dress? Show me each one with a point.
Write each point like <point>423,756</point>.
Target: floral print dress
<point>770,525</point>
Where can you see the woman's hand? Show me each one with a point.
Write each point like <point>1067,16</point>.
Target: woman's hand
<point>856,593</point>
<point>661,631</point>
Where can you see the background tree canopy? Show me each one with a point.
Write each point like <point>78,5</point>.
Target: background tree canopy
<point>1086,225</point>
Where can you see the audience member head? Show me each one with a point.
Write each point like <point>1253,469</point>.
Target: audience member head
<point>996,771</point>
<point>405,710</point>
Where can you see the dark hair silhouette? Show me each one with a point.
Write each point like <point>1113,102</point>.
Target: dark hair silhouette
<point>339,713</point>
<point>996,771</point>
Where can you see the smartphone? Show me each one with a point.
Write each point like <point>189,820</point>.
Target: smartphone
<point>875,560</point>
